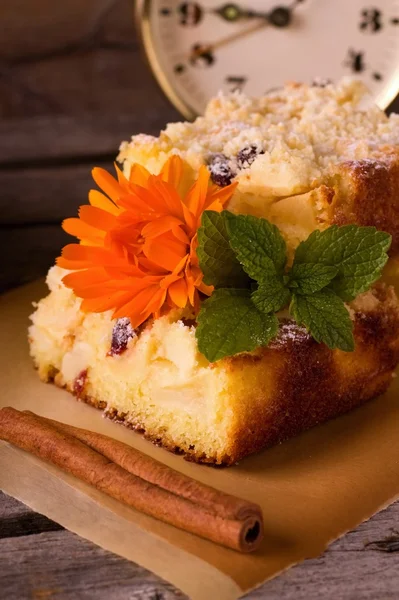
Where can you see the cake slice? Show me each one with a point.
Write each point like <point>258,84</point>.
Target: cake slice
<point>304,158</point>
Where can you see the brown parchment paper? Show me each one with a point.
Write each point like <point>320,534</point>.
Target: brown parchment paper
<point>312,489</point>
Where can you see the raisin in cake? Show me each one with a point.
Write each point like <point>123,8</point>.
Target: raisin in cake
<point>304,158</point>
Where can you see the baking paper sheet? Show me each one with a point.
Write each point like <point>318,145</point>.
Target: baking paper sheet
<point>312,489</point>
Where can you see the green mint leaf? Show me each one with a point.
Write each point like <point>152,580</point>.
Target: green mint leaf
<point>325,317</point>
<point>258,244</point>
<point>360,254</point>
<point>228,323</point>
<point>216,258</point>
<point>307,278</point>
<point>271,295</point>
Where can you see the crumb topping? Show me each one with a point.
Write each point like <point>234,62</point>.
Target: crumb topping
<point>308,128</point>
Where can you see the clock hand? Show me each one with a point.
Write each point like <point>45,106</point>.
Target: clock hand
<point>209,48</point>
<point>230,12</point>
<point>279,16</point>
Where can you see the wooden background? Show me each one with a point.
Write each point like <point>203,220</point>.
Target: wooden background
<point>72,86</point>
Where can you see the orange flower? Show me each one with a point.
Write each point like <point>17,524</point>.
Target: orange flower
<point>137,252</point>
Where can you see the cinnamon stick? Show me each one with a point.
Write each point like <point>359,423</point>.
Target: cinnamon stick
<point>137,480</point>
<point>139,464</point>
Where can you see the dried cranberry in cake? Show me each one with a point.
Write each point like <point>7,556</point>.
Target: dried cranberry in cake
<point>247,155</point>
<point>79,383</point>
<point>122,333</point>
<point>221,172</point>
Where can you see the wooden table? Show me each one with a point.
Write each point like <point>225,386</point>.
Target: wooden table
<point>72,86</point>
<point>40,560</point>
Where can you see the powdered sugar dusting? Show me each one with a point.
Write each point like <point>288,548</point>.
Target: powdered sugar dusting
<point>290,332</point>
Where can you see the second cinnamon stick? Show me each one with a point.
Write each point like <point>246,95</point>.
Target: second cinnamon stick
<point>38,436</point>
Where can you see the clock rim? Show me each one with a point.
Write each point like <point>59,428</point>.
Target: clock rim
<point>142,20</point>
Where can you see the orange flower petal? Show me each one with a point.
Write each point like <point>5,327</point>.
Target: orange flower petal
<point>137,305</point>
<point>172,203</point>
<point>98,200</point>
<point>104,303</point>
<point>222,194</point>
<point>80,279</point>
<point>180,234</point>
<point>178,292</point>
<point>150,266</point>
<point>205,289</point>
<point>216,206</point>
<point>97,217</point>
<point>172,170</point>
<point>159,226</point>
<point>83,231</point>
<point>121,178</point>
<point>165,251</point>
<point>72,258</point>
<point>139,175</point>
<point>178,173</point>
<point>156,302</point>
<point>196,196</point>
<point>107,183</point>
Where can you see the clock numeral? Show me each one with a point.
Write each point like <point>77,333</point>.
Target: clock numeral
<point>201,56</point>
<point>371,20</point>
<point>355,60</point>
<point>236,83</point>
<point>321,82</point>
<point>190,13</point>
<point>272,89</point>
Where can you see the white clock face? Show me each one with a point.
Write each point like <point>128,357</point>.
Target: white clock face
<point>256,45</point>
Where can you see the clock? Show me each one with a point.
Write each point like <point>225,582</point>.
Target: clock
<point>198,48</point>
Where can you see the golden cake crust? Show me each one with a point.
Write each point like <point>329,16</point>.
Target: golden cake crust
<point>308,384</point>
<point>367,192</point>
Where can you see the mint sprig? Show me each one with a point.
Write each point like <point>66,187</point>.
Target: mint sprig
<point>258,245</point>
<point>359,254</point>
<point>308,278</point>
<point>217,260</point>
<point>325,316</point>
<point>271,296</point>
<point>229,323</point>
<point>244,257</point>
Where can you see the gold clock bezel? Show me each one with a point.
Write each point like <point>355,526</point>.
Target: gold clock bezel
<point>142,18</point>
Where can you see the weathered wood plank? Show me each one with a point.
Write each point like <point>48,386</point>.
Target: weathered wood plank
<point>16,519</point>
<point>64,566</point>
<point>45,194</point>
<point>28,252</point>
<point>71,58</point>
<point>9,507</point>
<point>53,139</point>
<point>352,568</point>
<point>68,567</point>
<point>25,525</point>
